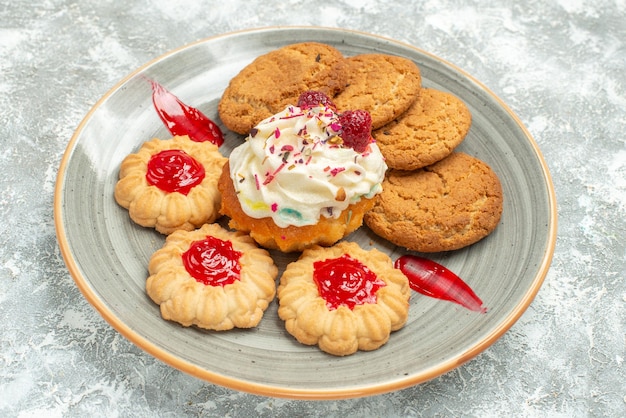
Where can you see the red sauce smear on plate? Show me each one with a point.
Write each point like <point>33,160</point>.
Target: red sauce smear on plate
<point>432,279</point>
<point>345,281</point>
<point>181,119</point>
<point>212,261</point>
<point>174,171</point>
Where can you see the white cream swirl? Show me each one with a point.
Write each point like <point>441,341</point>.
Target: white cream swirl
<point>294,168</point>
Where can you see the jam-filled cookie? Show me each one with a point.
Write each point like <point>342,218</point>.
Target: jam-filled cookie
<point>212,278</point>
<point>343,298</point>
<point>171,184</point>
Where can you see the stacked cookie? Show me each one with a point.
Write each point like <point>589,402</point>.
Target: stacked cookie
<point>434,199</point>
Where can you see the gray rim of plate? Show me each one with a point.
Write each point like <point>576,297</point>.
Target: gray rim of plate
<point>107,254</point>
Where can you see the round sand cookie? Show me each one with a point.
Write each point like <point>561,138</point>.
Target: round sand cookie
<point>343,298</point>
<point>212,278</point>
<point>276,79</point>
<point>446,206</point>
<point>384,85</point>
<point>171,184</point>
<point>435,124</point>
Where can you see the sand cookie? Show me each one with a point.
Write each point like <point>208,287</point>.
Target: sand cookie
<point>171,184</point>
<point>435,124</point>
<point>343,298</point>
<point>276,79</point>
<point>212,278</point>
<point>446,206</point>
<point>384,85</point>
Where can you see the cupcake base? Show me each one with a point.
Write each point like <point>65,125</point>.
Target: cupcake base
<point>292,238</point>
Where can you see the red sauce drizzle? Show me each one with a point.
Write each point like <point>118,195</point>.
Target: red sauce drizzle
<point>181,119</point>
<point>432,279</point>
<point>212,261</point>
<point>174,171</point>
<point>345,281</point>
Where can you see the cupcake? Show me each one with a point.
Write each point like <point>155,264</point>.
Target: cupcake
<point>304,176</point>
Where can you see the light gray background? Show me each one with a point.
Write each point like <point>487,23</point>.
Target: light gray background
<point>561,67</point>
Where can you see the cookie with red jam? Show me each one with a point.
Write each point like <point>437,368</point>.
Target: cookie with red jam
<point>212,278</point>
<point>343,298</point>
<point>171,184</point>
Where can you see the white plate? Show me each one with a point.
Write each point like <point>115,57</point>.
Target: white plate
<point>107,254</point>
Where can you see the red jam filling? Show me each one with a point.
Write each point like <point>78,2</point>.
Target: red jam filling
<point>174,171</point>
<point>345,281</point>
<point>181,119</point>
<point>212,261</point>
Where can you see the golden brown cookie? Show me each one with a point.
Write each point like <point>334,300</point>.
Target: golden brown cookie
<point>445,206</point>
<point>435,124</point>
<point>384,85</point>
<point>276,79</point>
<point>343,298</point>
<point>212,278</point>
<point>179,191</point>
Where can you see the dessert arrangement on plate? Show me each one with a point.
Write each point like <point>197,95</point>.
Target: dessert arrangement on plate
<point>329,143</point>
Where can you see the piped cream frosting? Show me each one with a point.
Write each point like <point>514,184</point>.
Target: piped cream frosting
<point>294,168</point>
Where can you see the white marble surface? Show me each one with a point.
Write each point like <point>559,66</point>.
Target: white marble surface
<point>560,65</point>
